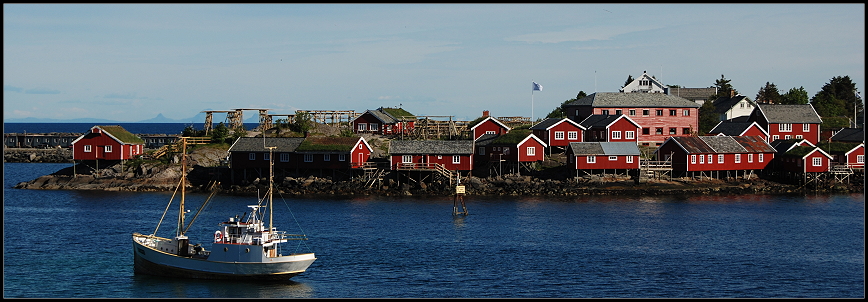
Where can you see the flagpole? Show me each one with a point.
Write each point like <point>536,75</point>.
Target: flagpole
<point>532,88</point>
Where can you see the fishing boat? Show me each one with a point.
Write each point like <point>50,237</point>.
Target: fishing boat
<point>243,248</point>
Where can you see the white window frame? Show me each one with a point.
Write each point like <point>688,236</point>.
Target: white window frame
<point>816,161</point>
<point>613,158</point>
<point>531,151</point>
<point>108,148</point>
<point>490,132</point>
<point>373,126</point>
<point>363,126</point>
<point>629,159</point>
<point>738,158</point>
<point>572,135</point>
<point>87,148</point>
<point>720,158</point>
<point>456,159</point>
<point>559,135</point>
<point>407,159</point>
<point>308,158</point>
<point>799,136</point>
<point>326,157</point>
<point>775,137</point>
<point>342,157</point>
<point>616,134</point>
<point>750,157</point>
<point>701,159</point>
<point>686,112</point>
<point>630,134</point>
<point>251,156</point>
<point>692,159</point>
<point>785,127</point>
<point>591,159</point>
<point>265,156</point>
<point>806,127</point>
<point>284,157</point>
<point>788,136</point>
<point>760,157</point>
<point>860,159</point>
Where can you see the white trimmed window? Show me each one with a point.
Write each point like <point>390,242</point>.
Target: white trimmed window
<point>806,127</point>
<point>738,158</point>
<point>265,156</point>
<point>760,157</point>
<point>308,158</point>
<point>284,157</point>
<point>720,158</point>
<point>251,156</point>
<point>710,159</point>
<point>363,126</point>
<point>785,127</point>
<point>86,148</point>
<point>799,136</point>
<point>750,158</point>
<point>629,159</point>
<point>702,159</point>
<point>373,126</point>
<point>326,157</point>
<point>573,135</point>
<point>816,161</point>
<point>456,159</point>
<point>591,159</point>
<point>775,137</point>
<point>788,136</point>
<point>531,151</point>
<point>407,159</point>
<point>693,159</point>
<point>342,157</point>
<point>559,135</point>
<point>629,134</point>
<point>616,134</point>
<point>613,158</point>
<point>490,132</point>
<point>108,149</point>
<point>860,159</point>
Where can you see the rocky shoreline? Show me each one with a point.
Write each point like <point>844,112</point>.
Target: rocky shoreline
<point>164,177</point>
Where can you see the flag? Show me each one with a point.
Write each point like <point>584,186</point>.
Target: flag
<point>536,86</point>
<point>857,94</point>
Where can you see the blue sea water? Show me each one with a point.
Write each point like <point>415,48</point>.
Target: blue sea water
<point>76,244</point>
<point>135,128</point>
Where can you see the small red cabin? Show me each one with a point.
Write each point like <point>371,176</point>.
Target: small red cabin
<point>516,146</point>
<point>431,154</point>
<point>603,156</point>
<point>788,121</point>
<point>558,132</point>
<point>334,153</point>
<point>716,153</point>
<point>805,159</point>
<point>488,125</point>
<point>727,128</point>
<point>856,157</point>
<point>107,143</point>
<point>385,121</point>
<point>610,128</point>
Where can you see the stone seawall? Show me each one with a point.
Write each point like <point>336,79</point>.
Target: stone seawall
<point>32,155</point>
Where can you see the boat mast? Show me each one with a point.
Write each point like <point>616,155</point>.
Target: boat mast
<point>180,231</point>
<point>270,184</point>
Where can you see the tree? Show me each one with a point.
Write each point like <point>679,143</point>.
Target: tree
<point>629,80</point>
<point>724,89</point>
<point>302,123</point>
<point>707,118</point>
<point>559,111</point>
<point>189,131</point>
<point>768,94</point>
<point>796,96</point>
<point>219,133</point>
<point>837,98</point>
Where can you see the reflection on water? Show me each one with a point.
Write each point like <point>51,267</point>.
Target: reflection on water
<point>153,286</point>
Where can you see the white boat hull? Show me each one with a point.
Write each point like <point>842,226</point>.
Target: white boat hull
<point>151,261</point>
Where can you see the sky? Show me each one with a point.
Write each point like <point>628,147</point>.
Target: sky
<point>131,62</point>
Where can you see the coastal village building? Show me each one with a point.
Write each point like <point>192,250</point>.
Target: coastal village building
<point>645,84</point>
<point>603,156</point>
<point>39,140</point>
<point>431,155</point>
<point>788,121</point>
<point>730,128</point>
<point>716,153</point>
<point>385,121</point>
<point>728,108</point>
<point>487,125</point>
<point>804,159</point>
<point>249,157</point>
<point>610,128</point>
<point>696,95</point>
<point>845,154</point>
<point>107,143</point>
<point>509,151</point>
<point>332,153</point>
<point>849,135</point>
<point>558,132</point>
<point>660,115</point>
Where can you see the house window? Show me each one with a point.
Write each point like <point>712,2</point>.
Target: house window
<point>646,131</point>
<point>632,112</point>
<point>613,158</point>
<point>785,127</point>
<point>373,126</point>
<point>702,159</point>
<point>573,135</point>
<point>816,161</point>
<point>86,148</point>
<point>481,150</point>
<point>251,156</point>
<point>531,151</point>
<point>686,112</point>
<point>342,157</point>
<point>693,159</point>
<point>720,158</point>
<point>326,157</point>
<point>738,158</point>
<point>799,136</point>
<point>710,159</point>
<point>775,137</point>
<point>750,158</point>
<point>407,159</point>
<point>685,131</point>
<point>265,156</point>
<point>308,158</point>
<point>108,149</point>
<point>629,159</point>
<point>788,136</point>
<point>605,112</point>
<point>860,159</point>
<point>806,127</point>
<point>619,112</point>
<point>559,135</point>
<point>659,112</point>
<point>456,159</point>
<point>646,112</point>
<point>658,131</point>
<point>616,134</point>
<point>363,126</point>
<point>629,134</point>
<point>673,131</point>
<point>673,112</point>
<point>760,157</point>
<point>284,157</point>
<point>591,159</point>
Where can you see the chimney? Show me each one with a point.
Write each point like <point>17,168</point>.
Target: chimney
<point>731,93</point>
<point>484,113</point>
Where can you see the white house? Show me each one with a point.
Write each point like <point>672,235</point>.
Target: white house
<point>644,84</point>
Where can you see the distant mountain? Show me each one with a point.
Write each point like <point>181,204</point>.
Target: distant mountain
<point>51,120</point>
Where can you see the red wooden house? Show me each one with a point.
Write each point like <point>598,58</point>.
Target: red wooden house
<point>788,121</point>
<point>107,143</point>
<point>856,157</point>
<point>804,159</point>
<point>845,154</point>
<point>660,115</point>
<point>385,121</point>
<point>610,128</point>
<point>728,128</point>
<point>558,132</point>
<point>716,153</point>
<point>603,156</point>
<point>516,146</point>
<point>431,155</point>
<point>332,153</point>
<point>487,125</point>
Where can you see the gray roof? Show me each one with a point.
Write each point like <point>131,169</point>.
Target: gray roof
<point>255,144</point>
<point>605,148</point>
<point>618,99</point>
<point>382,116</point>
<point>856,135</point>
<point>430,147</point>
<point>723,144</point>
<point>549,122</point>
<point>693,93</point>
<point>789,114</point>
<point>598,120</point>
<point>486,139</point>
<point>731,128</point>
